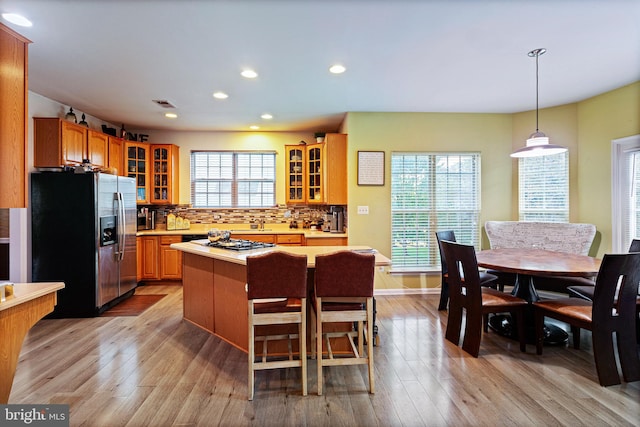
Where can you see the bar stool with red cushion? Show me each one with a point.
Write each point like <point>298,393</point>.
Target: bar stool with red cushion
<point>277,295</point>
<point>612,311</point>
<point>344,293</point>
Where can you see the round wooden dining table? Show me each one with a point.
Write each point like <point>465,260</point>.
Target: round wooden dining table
<point>527,263</point>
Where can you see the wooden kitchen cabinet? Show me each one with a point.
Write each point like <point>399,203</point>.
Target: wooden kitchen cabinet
<point>295,175</point>
<point>58,142</point>
<point>265,238</point>
<point>164,172</point>
<point>149,262</point>
<point>317,173</point>
<point>116,146</point>
<point>98,148</point>
<point>170,259</point>
<point>137,162</point>
<point>290,239</point>
<point>13,119</point>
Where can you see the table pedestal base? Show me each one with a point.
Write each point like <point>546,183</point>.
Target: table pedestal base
<point>503,324</point>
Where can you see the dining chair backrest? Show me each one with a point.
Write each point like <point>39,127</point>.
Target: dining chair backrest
<point>276,275</point>
<point>616,291</point>
<point>450,236</point>
<point>344,274</point>
<point>464,277</point>
<point>635,245</point>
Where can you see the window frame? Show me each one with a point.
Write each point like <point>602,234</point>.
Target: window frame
<point>550,211</point>
<point>625,200</point>
<point>431,217</point>
<point>234,179</point>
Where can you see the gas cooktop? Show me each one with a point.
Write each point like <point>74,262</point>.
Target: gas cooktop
<point>239,244</point>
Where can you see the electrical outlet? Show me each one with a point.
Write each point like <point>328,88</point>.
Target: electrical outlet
<point>363,210</point>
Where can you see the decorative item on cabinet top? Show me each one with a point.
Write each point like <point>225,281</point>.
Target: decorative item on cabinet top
<point>71,116</point>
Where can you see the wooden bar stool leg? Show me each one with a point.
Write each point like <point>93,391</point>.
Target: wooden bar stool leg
<point>370,344</point>
<point>251,352</point>
<point>319,342</point>
<point>302,343</point>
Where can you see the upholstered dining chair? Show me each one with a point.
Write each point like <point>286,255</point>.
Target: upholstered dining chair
<point>612,311</point>
<point>466,293</point>
<point>343,292</point>
<point>486,279</point>
<point>277,295</point>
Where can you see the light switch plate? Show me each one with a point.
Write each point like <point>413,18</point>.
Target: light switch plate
<point>363,210</point>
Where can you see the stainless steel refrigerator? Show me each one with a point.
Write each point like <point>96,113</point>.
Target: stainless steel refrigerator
<point>83,232</point>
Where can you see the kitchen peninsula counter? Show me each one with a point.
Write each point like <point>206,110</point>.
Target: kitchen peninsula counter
<point>18,313</point>
<point>213,280</point>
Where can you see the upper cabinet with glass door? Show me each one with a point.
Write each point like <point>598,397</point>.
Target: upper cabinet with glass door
<point>164,184</point>
<point>317,173</point>
<point>295,173</point>
<point>136,161</point>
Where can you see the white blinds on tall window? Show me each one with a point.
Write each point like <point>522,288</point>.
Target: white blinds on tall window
<point>432,192</point>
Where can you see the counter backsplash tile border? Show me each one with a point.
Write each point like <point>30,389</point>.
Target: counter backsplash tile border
<point>240,216</point>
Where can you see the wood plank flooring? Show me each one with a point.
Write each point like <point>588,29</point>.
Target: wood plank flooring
<point>157,370</point>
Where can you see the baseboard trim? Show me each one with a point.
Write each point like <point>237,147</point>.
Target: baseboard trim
<point>407,291</point>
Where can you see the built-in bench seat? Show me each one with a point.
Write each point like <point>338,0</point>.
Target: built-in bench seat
<point>572,238</point>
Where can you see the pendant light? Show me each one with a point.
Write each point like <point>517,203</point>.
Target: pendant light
<point>538,142</point>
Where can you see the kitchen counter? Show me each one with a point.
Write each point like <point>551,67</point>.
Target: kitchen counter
<point>199,247</point>
<point>29,303</point>
<point>214,279</point>
<point>242,229</point>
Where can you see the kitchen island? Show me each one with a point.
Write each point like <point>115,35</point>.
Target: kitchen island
<point>214,294</point>
<point>29,303</point>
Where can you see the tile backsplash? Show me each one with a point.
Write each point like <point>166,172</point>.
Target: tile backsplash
<point>279,215</point>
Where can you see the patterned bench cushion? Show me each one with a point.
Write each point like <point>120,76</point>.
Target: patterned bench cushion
<point>561,237</point>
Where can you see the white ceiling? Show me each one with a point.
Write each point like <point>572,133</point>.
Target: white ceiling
<point>111,58</point>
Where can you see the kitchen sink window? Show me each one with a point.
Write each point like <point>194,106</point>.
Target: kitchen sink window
<point>230,179</point>
<point>432,192</point>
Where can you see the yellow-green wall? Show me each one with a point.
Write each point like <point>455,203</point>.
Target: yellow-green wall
<point>609,116</point>
<point>586,127</point>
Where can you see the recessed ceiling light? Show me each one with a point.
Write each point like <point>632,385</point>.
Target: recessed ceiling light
<point>254,127</point>
<point>14,18</point>
<point>250,74</point>
<point>337,69</point>
<point>267,116</point>
<point>171,115</point>
<point>220,95</point>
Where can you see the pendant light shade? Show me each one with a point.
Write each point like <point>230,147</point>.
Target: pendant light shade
<point>538,142</point>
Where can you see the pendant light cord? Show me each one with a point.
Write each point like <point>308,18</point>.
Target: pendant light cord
<point>537,129</point>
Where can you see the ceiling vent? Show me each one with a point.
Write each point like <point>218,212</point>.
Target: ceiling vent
<point>164,103</point>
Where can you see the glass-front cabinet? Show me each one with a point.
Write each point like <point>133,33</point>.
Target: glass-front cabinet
<point>295,174</point>
<point>317,173</point>
<point>136,161</point>
<point>164,174</point>
<point>315,168</point>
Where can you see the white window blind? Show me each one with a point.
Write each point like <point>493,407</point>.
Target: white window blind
<point>625,192</point>
<point>544,188</point>
<point>432,192</point>
<point>227,179</point>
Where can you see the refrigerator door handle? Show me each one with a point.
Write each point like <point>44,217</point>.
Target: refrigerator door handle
<point>122,226</point>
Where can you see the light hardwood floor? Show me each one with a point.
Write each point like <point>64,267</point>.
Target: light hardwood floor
<point>157,370</point>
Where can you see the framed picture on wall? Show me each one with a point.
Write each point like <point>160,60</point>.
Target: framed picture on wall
<point>370,167</point>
